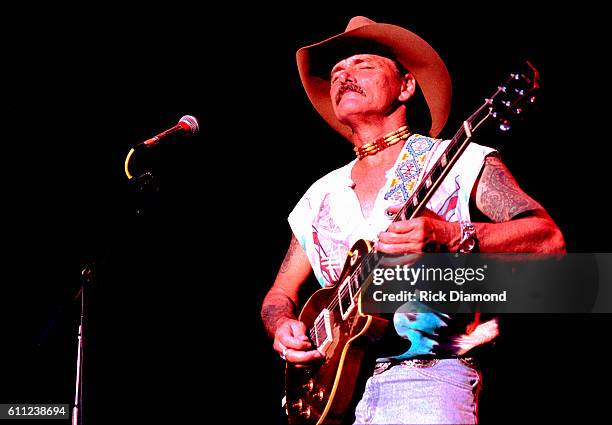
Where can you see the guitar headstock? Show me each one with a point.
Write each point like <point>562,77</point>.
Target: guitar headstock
<point>515,96</point>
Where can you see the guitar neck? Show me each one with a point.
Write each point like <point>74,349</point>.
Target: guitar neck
<point>432,180</point>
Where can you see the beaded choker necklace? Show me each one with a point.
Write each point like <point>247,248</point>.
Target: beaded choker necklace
<point>382,143</point>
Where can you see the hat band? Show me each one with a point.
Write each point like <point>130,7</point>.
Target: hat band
<point>383,143</point>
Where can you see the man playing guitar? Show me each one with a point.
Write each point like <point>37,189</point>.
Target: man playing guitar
<point>362,82</point>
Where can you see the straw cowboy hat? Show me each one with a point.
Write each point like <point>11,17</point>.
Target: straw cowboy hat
<point>362,35</point>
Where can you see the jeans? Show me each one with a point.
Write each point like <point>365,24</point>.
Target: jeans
<point>445,393</point>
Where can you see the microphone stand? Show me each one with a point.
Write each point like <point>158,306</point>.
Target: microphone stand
<point>144,188</point>
<point>77,410</point>
<point>143,185</point>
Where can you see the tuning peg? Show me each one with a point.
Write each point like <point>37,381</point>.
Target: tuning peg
<point>505,125</point>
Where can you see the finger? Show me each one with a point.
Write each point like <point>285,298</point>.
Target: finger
<point>291,334</point>
<point>290,339</point>
<point>295,356</point>
<point>430,214</point>
<point>393,210</point>
<point>278,346</point>
<point>391,237</point>
<point>401,248</point>
<point>412,235</point>
<point>298,330</point>
<point>294,343</point>
<point>405,226</point>
<point>298,333</point>
<point>282,349</point>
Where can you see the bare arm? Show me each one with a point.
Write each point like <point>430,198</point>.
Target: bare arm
<point>281,300</point>
<point>519,224</point>
<point>278,309</point>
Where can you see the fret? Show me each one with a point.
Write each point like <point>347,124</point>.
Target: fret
<point>436,172</point>
<point>452,149</point>
<point>409,211</point>
<point>443,160</point>
<point>422,192</point>
<point>467,128</point>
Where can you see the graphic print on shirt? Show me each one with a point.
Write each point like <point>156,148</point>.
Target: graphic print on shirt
<point>331,247</point>
<point>421,329</point>
<point>448,209</point>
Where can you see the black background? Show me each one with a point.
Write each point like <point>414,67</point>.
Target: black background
<point>173,320</point>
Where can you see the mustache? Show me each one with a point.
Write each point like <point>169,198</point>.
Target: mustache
<point>349,87</point>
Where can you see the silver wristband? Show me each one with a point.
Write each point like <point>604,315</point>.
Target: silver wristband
<point>468,242</point>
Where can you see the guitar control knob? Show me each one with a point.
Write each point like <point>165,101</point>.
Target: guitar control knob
<point>308,386</point>
<point>505,125</point>
<point>319,395</point>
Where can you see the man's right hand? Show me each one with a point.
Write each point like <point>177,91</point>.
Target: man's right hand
<point>290,339</point>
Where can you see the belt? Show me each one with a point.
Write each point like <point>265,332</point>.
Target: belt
<point>380,367</point>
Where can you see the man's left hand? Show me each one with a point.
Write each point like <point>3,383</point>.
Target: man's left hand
<point>425,233</point>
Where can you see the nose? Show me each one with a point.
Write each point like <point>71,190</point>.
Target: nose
<point>345,77</point>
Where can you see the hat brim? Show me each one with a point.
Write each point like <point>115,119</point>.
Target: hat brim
<point>411,51</point>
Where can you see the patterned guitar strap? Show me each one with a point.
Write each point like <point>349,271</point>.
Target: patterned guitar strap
<point>402,179</point>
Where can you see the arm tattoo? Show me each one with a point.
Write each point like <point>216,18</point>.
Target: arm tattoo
<point>500,196</point>
<point>271,313</point>
<point>292,246</point>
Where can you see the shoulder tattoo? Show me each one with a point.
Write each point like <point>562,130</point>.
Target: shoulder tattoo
<point>499,195</point>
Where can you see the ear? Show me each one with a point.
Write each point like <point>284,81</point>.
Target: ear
<point>408,87</point>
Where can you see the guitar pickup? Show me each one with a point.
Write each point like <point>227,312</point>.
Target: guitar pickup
<point>323,331</point>
<point>346,301</point>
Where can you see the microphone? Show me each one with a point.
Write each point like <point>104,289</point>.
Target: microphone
<point>187,125</point>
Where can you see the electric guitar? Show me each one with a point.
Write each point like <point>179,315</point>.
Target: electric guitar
<point>322,393</point>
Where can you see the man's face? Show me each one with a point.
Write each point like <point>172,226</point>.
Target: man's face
<point>364,85</point>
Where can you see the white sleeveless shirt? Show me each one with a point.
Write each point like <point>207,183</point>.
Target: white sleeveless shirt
<point>328,219</point>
